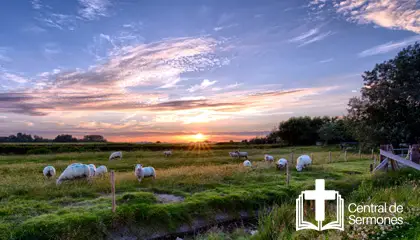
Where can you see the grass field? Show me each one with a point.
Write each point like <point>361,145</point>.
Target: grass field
<point>209,181</point>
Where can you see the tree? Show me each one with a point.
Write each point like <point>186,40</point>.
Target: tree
<point>301,130</point>
<point>329,131</point>
<point>388,110</point>
<point>65,138</point>
<point>93,138</point>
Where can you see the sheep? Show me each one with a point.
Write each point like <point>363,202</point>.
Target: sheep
<point>49,171</point>
<point>242,154</point>
<point>268,158</point>
<point>167,153</point>
<point>101,171</point>
<point>302,162</point>
<point>281,163</point>
<point>247,163</point>
<point>115,155</point>
<point>234,154</point>
<point>142,172</point>
<point>92,169</point>
<point>75,171</point>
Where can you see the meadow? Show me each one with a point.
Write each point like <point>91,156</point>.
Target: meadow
<point>199,185</point>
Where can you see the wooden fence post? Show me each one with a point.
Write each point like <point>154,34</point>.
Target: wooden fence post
<point>345,155</point>
<point>360,153</point>
<point>287,174</point>
<point>329,157</point>
<point>312,158</point>
<point>291,158</point>
<point>114,205</point>
<point>372,154</point>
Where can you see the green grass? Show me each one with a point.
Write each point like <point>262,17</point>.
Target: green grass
<point>32,207</point>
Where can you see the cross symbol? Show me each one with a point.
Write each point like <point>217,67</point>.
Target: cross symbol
<point>320,195</point>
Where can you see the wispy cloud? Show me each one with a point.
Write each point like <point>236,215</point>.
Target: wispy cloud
<point>304,35</point>
<point>316,38</point>
<point>107,85</point>
<point>88,10</point>
<point>92,9</point>
<point>311,36</point>
<point>326,60</point>
<point>13,77</point>
<point>390,46</point>
<point>393,14</point>
<point>36,4</point>
<point>220,28</point>
<point>203,85</point>
<point>230,86</point>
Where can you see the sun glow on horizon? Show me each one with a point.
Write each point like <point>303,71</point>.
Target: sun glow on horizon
<point>199,137</point>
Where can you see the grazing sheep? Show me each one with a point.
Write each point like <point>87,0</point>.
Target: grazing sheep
<point>242,154</point>
<point>49,171</point>
<point>167,153</point>
<point>234,154</point>
<point>115,155</point>
<point>74,171</point>
<point>101,171</point>
<point>268,158</point>
<point>92,169</point>
<point>247,163</point>
<point>281,163</point>
<point>302,162</point>
<point>142,172</point>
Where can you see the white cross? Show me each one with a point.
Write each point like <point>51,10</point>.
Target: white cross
<point>320,195</point>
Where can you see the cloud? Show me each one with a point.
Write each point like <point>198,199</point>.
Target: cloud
<point>51,49</point>
<point>204,84</point>
<point>305,35</point>
<point>58,21</point>
<point>392,14</point>
<point>13,77</point>
<point>309,37</point>
<point>230,86</point>
<point>326,60</point>
<point>92,9</point>
<point>316,38</point>
<point>36,4</point>
<point>220,28</point>
<point>390,46</point>
<point>107,86</point>
<point>88,10</point>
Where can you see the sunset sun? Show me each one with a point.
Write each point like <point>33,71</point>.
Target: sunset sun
<point>199,137</point>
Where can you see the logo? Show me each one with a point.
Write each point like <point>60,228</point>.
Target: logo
<point>320,195</point>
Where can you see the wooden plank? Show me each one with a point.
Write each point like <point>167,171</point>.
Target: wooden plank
<point>400,159</point>
<point>381,165</point>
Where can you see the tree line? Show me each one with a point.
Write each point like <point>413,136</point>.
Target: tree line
<point>23,137</point>
<point>388,110</point>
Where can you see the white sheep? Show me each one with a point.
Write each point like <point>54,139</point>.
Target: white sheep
<point>142,172</point>
<point>167,153</point>
<point>234,154</point>
<point>268,158</point>
<point>75,171</point>
<point>115,155</point>
<point>247,163</point>
<point>101,170</point>
<point>92,169</point>
<point>49,171</point>
<point>281,163</point>
<point>302,162</point>
<point>242,154</point>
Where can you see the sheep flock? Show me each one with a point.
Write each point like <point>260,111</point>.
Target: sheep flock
<point>90,171</point>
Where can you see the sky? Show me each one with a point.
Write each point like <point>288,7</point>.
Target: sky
<point>143,70</point>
